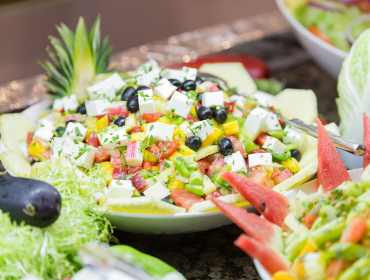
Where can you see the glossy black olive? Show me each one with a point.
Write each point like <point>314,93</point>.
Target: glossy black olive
<point>60,131</point>
<point>204,113</point>
<point>175,83</point>
<point>189,85</point>
<point>69,122</point>
<point>199,80</point>
<point>225,146</point>
<point>296,154</point>
<point>193,142</point>
<point>127,93</point>
<point>133,104</point>
<point>81,109</point>
<point>199,96</point>
<point>120,121</point>
<point>219,114</point>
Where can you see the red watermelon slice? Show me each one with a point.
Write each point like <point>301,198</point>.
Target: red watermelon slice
<point>260,229</point>
<point>331,171</point>
<point>271,260</point>
<point>272,205</point>
<point>366,140</point>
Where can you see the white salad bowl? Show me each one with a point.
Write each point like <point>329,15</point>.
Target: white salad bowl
<point>308,188</point>
<point>329,57</point>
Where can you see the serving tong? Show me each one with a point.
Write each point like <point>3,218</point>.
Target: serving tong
<point>354,148</point>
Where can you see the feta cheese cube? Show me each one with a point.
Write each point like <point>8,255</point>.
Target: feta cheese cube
<point>201,129</point>
<point>147,73</point>
<point>239,100</point>
<point>292,135</point>
<point>272,122</point>
<point>113,136</point>
<point>97,107</point>
<point>47,122</point>
<point>237,162</point>
<point>174,74</point>
<point>134,156</point>
<point>146,102</point>
<point>190,73</point>
<point>75,131</point>
<point>106,89</point>
<point>159,191</point>
<point>58,104</point>
<point>82,154</point>
<point>255,122</point>
<point>164,89</point>
<point>180,104</point>
<point>263,159</point>
<point>213,98</point>
<point>70,103</point>
<point>44,133</point>
<point>274,144</point>
<point>61,146</point>
<point>150,65</point>
<point>120,189</point>
<point>160,131</point>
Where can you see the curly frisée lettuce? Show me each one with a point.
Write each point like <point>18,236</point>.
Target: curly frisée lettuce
<point>50,253</point>
<point>354,89</point>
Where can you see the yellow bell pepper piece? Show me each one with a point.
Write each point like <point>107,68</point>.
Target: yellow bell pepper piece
<point>157,98</point>
<point>208,141</point>
<point>310,247</point>
<point>37,150</point>
<point>291,164</point>
<point>102,123</point>
<point>155,168</point>
<point>226,96</point>
<point>176,184</point>
<point>282,275</point>
<point>107,166</point>
<point>179,135</point>
<point>298,268</point>
<point>185,150</point>
<point>106,170</point>
<point>164,119</point>
<point>216,134</point>
<point>138,136</point>
<point>231,127</point>
<point>148,156</point>
<point>174,156</point>
<point>144,126</point>
<point>193,111</point>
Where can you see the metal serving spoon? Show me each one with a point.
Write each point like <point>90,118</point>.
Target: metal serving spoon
<point>357,149</point>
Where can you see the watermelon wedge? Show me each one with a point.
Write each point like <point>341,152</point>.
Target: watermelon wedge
<point>366,140</point>
<point>331,170</point>
<point>184,198</point>
<point>260,229</point>
<point>271,260</point>
<point>272,205</point>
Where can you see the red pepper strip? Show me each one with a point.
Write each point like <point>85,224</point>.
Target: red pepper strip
<point>229,106</point>
<point>260,140</point>
<point>168,148</point>
<point>191,118</point>
<point>147,165</point>
<point>152,117</point>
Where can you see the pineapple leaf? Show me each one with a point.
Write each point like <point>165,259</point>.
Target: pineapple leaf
<point>56,73</point>
<point>68,37</point>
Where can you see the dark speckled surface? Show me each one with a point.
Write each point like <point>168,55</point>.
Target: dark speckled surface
<point>211,254</point>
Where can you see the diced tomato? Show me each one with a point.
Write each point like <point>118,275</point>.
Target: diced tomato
<point>139,182</point>
<point>29,137</point>
<point>147,165</point>
<point>282,176</point>
<point>134,169</point>
<point>229,106</point>
<point>216,194</point>
<point>260,140</point>
<point>335,267</point>
<point>179,90</point>
<point>119,171</point>
<point>117,111</point>
<point>213,87</point>
<point>259,175</point>
<point>136,129</point>
<point>203,165</point>
<point>311,217</point>
<point>281,122</point>
<point>198,105</point>
<point>232,137</point>
<point>318,33</point>
<point>354,231</point>
<point>155,150</point>
<point>275,172</point>
<point>258,151</point>
<point>191,118</point>
<point>152,117</point>
<point>93,140</point>
<point>239,147</point>
<point>237,113</point>
<point>115,161</point>
<point>101,155</point>
<point>168,148</point>
<point>161,165</point>
<point>184,198</point>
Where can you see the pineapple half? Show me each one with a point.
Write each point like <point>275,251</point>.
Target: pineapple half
<point>76,60</point>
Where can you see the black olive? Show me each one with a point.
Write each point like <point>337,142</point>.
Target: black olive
<point>127,93</point>
<point>120,121</point>
<point>81,109</point>
<point>69,122</point>
<point>199,96</point>
<point>60,131</point>
<point>219,114</point>
<point>141,88</point>
<point>204,113</point>
<point>199,80</point>
<point>262,207</point>
<point>133,104</point>
<point>225,146</point>
<point>193,142</point>
<point>175,83</point>
<point>296,154</point>
<point>189,85</point>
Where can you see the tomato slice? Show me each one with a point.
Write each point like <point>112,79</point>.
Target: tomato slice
<point>191,118</point>
<point>203,165</point>
<point>168,148</point>
<point>260,140</point>
<point>147,165</point>
<point>318,33</point>
<point>152,117</point>
<point>93,140</point>
<point>229,106</point>
<point>101,155</point>
<point>136,129</point>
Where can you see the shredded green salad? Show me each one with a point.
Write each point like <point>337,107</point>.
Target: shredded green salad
<point>50,253</point>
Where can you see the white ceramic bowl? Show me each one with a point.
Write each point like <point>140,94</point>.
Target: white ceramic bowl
<point>330,58</point>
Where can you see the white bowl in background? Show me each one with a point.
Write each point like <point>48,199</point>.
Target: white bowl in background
<point>329,58</point>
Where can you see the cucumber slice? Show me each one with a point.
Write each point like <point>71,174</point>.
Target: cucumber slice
<point>195,189</point>
<point>196,178</point>
<point>204,152</point>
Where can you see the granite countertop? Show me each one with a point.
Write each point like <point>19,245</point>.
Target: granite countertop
<point>211,254</point>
